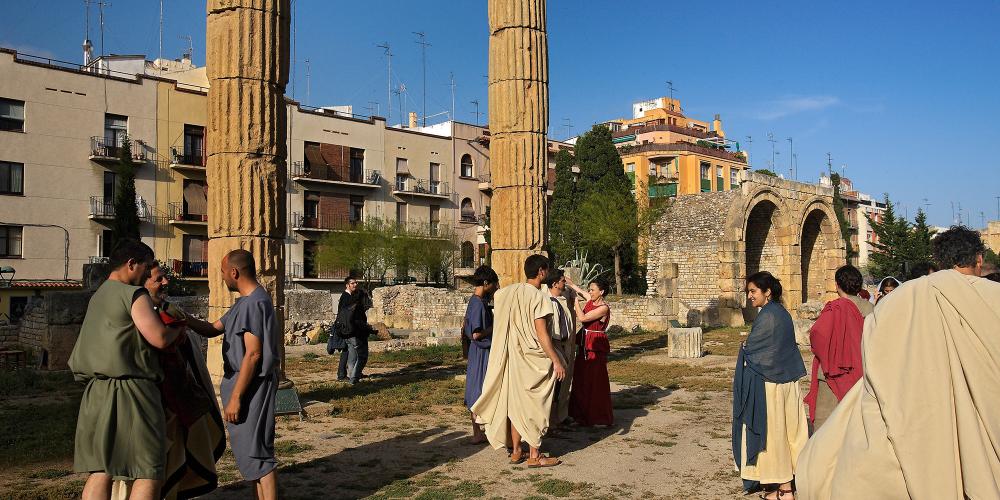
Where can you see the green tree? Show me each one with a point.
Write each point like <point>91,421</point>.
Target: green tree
<point>919,247</point>
<point>892,249</point>
<point>845,226</point>
<point>177,286</point>
<point>765,172</point>
<point>564,228</point>
<point>368,250</point>
<point>126,221</point>
<point>607,206</point>
<point>431,253</point>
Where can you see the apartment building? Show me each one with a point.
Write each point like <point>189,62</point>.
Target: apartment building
<point>667,153</point>
<point>859,209</point>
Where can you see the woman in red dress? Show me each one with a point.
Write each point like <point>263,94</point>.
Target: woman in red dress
<point>590,397</point>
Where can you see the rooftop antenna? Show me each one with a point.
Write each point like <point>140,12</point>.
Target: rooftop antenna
<point>451,76</point>
<point>294,60</point>
<point>749,145</point>
<point>88,47</point>
<point>159,54</point>
<point>829,164</point>
<point>476,102</point>
<point>373,109</point>
<point>843,170</point>
<point>190,47</point>
<point>101,4</point>
<point>791,156</point>
<point>423,61</point>
<point>399,95</point>
<point>770,138</point>
<point>308,81</point>
<point>388,80</point>
<point>670,85</point>
<point>982,216</point>
<point>569,126</point>
<point>998,207</point>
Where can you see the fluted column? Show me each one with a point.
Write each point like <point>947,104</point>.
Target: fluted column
<point>519,117</point>
<point>247,64</point>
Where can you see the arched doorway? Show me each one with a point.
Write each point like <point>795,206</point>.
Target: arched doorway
<point>816,239</point>
<point>763,249</point>
<point>468,254</point>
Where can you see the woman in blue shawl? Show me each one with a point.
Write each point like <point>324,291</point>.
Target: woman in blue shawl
<point>477,333</point>
<point>769,419</point>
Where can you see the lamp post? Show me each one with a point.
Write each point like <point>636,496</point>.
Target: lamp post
<point>7,276</point>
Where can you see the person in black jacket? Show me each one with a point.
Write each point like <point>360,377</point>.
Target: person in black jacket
<point>352,319</point>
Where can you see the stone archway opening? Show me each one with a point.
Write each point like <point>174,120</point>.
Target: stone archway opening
<point>816,238</point>
<point>763,248</point>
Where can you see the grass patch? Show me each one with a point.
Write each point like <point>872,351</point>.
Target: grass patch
<point>724,341</point>
<point>437,355</point>
<point>29,382</point>
<point>664,444</point>
<point>290,447</point>
<point>559,487</point>
<point>49,474</point>
<point>396,489</point>
<point>309,356</point>
<point>669,376</point>
<point>32,433</point>
<point>391,397</point>
<point>469,489</point>
<point>49,491</point>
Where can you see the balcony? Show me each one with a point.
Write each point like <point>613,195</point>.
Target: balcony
<point>103,209</point>
<point>485,183</point>
<point>299,271</point>
<point>335,175</point>
<point>422,188</point>
<point>472,218</point>
<point>179,215</point>
<point>196,270</point>
<point>188,161</point>
<point>323,222</point>
<point>682,146</point>
<point>98,259</point>
<point>105,151</point>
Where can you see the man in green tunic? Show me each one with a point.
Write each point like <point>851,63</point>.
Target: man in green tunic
<point>120,429</point>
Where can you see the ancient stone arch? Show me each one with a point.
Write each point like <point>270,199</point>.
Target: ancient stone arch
<point>706,244</point>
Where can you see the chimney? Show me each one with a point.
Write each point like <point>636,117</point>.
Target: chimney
<point>88,52</point>
<point>717,125</point>
<point>413,119</point>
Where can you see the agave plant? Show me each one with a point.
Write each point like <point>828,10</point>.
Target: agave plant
<point>581,271</point>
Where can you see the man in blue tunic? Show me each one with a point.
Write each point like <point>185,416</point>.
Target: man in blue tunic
<point>250,372</point>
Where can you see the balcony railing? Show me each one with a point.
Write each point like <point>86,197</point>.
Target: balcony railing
<point>190,158</point>
<point>334,173</point>
<point>324,222</point>
<point>683,146</point>
<point>104,208</point>
<point>423,187</point>
<point>190,269</point>
<point>104,150</point>
<point>299,270</point>
<point>99,259</point>
<point>178,213</point>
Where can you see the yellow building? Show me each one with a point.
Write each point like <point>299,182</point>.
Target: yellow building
<point>181,193</point>
<point>667,154</point>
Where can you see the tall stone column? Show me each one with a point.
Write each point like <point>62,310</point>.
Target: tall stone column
<point>519,117</point>
<point>247,64</point>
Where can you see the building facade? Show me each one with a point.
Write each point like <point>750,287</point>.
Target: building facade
<point>860,209</point>
<point>667,154</point>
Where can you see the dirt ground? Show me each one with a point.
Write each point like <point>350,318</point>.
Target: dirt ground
<point>403,433</point>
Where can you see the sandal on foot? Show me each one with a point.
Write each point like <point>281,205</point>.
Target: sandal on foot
<point>782,493</point>
<point>516,458</point>
<point>534,463</point>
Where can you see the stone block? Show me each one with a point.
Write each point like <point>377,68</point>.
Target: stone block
<point>432,341</point>
<point>443,332</point>
<point>810,310</point>
<point>313,334</point>
<point>382,331</point>
<point>693,317</point>
<point>802,327</point>
<point>309,305</point>
<point>685,343</point>
<point>59,342</point>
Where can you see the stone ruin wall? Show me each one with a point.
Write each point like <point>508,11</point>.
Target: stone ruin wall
<point>706,244</point>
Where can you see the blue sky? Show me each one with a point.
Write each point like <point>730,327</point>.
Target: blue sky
<point>904,93</point>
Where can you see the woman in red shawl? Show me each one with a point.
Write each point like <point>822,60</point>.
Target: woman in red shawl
<point>590,396</point>
<point>836,343</point>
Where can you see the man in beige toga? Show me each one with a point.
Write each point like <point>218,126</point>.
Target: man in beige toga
<point>523,368</point>
<point>922,422</point>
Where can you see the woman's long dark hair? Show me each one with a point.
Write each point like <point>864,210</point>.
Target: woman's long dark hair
<point>764,280</point>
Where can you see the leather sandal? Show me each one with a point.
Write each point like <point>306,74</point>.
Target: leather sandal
<point>543,461</point>
<point>782,493</point>
<point>517,457</point>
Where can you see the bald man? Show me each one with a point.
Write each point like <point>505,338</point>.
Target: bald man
<point>250,371</point>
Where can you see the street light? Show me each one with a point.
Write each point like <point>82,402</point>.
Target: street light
<point>7,274</point>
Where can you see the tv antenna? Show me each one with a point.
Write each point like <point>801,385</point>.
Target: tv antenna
<point>670,85</point>
<point>791,158</point>
<point>770,138</point>
<point>423,62</point>
<point>388,79</point>
<point>568,124</point>
<point>451,78</point>
<point>190,46</point>
<point>308,81</point>
<point>372,108</point>
<point>829,164</point>
<point>476,103</point>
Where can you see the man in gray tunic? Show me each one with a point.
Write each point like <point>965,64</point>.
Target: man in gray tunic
<point>250,372</point>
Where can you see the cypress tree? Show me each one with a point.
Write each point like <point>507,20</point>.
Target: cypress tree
<point>126,222</point>
<point>564,229</point>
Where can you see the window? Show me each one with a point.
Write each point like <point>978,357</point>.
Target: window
<point>706,171</point>
<point>11,178</point>
<point>115,129</point>
<point>194,145</point>
<point>401,211</point>
<point>195,256</point>
<point>466,165</point>
<point>733,182</point>
<point>652,169</point>
<point>17,307</point>
<point>11,115</point>
<point>468,254</point>
<point>629,168</point>
<point>310,208</point>
<point>435,183</point>
<point>357,208</point>
<point>107,242</point>
<point>110,187</point>
<point>400,182</point>
<point>10,241</point>
<point>401,166</point>
<point>435,219</point>
<point>311,155</point>
<point>309,259</point>
<point>357,165</point>
<point>468,210</point>
<point>195,200</point>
